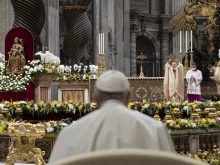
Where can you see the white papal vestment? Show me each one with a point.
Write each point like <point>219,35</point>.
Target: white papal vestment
<point>113,126</point>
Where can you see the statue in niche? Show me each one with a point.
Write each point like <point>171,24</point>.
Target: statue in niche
<point>16,60</point>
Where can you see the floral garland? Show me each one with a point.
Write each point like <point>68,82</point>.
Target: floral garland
<point>51,126</point>
<point>41,108</point>
<point>183,124</point>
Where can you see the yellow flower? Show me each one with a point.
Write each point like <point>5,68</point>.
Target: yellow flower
<point>186,102</point>
<point>213,121</point>
<point>28,106</point>
<point>196,157</point>
<point>159,106</point>
<point>54,103</point>
<point>194,106</point>
<point>1,129</point>
<point>177,126</point>
<point>15,103</point>
<point>80,107</point>
<point>130,104</point>
<point>174,104</point>
<point>70,101</point>
<point>203,121</point>
<point>144,101</point>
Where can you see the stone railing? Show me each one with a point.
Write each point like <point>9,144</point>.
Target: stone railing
<point>184,141</point>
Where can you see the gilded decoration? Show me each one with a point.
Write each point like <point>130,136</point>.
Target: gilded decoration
<point>25,135</point>
<point>145,88</point>
<point>16,60</point>
<point>185,18</point>
<point>152,89</point>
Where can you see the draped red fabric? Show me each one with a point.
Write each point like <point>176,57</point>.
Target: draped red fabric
<point>28,95</point>
<point>28,44</point>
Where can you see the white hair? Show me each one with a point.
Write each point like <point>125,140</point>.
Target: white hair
<point>104,96</point>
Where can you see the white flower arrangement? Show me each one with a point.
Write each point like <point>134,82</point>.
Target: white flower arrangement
<point>49,64</point>
<point>48,57</point>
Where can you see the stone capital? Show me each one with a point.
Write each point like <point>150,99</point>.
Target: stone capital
<point>164,34</point>
<point>135,28</point>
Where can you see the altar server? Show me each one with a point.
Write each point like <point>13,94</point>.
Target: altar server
<point>194,79</point>
<point>113,126</point>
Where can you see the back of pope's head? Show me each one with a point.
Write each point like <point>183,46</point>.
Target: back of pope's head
<point>112,84</point>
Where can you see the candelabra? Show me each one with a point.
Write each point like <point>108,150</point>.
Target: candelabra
<point>141,57</point>
<point>101,64</point>
<point>181,57</point>
<point>191,59</point>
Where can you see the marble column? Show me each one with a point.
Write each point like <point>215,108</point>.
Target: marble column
<point>96,30</point>
<point>164,49</point>
<point>126,38</point>
<point>50,34</point>
<point>154,5</point>
<point>133,62</point>
<point>6,21</point>
<point>167,7</point>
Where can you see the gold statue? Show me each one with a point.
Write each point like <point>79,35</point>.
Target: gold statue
<point>25,134</point>
<point>16,61</point>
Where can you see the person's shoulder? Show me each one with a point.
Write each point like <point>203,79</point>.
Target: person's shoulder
<point>81,121</point>
<point>199,71</point>
<point>145,119</point>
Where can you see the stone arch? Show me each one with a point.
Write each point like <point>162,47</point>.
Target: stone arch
<point>153,40</point>
<point>151,65</point>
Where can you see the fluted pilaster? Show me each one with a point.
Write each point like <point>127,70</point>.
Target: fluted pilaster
<point>164,51</point>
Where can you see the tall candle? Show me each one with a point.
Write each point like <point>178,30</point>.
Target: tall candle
<point>99,44</point>
<point>103,43</point>
<point>180,41</point>
<point>191,41</point>
<point>186,41</point>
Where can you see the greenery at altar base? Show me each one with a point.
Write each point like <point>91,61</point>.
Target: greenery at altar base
<point>48,65</point>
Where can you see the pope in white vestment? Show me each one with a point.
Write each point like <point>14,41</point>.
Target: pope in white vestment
<point>174,82</point>
<point>194,78</point>
<point>113,126</point>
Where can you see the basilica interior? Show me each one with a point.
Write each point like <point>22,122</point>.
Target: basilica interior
<point>52,52</point>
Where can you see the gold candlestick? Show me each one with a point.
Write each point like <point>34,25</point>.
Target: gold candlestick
<point>101,64</point>
<point>186,60</point>
<point>181,57</point>
<point>191,59</point>
<point>141,57</point>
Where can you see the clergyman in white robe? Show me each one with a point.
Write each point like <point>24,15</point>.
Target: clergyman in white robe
<point>113,126</point>
<point>174,82</point>
<point>194,78</point>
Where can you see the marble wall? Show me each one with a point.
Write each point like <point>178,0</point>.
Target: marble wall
<point>112,17</point>
<point>6,21</point>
